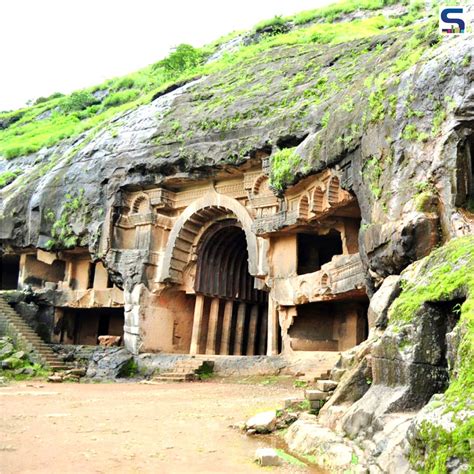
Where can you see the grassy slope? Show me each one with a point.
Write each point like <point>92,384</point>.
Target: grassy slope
<point>53,119</point>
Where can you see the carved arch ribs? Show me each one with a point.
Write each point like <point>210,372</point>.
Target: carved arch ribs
<point>185,234</point>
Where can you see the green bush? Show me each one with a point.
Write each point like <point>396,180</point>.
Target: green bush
<point>55,95</point>
<point>274,26</point>
<point>284,164</point>
<point>120,97</point>
<point>78,101</point>
<point>183,58</point>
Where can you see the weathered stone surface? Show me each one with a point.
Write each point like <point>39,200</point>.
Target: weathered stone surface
<point>107,364</point>
<point>381,301</point>
<point>262,422</point>
<point>6,350</point>
<point>267,457</point>
<point>307,436</point>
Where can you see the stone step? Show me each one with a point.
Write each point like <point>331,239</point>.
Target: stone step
<point>171,375</point>
<point>326,385</point>
<point>173,378</point>
<point>313,395</point>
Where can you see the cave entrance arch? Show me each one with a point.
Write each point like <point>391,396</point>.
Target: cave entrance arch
<point>230,316</point>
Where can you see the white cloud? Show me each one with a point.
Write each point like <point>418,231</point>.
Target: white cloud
<point>63,45</point>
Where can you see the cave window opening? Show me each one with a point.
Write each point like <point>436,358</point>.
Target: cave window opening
<point>316,250</point>
<point>10,272</point>
<point>110,283</point>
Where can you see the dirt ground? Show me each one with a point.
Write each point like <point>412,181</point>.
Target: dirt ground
<point>132,427</point>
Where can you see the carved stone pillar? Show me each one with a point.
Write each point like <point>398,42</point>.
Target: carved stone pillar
<point>197,324</point>
<point>239,329</point>
<point>273,328</point>
<point>252,330</point>
<point>262,337</point>
<point>212,329</point>
<point>226,327</point>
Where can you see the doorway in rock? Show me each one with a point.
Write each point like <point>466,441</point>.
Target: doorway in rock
<point>10,272</point>
<point>230,314</point>
<point>85,325</point>
<point>329,326</point>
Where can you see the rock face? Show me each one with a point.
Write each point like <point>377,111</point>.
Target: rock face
<point>413,361</point>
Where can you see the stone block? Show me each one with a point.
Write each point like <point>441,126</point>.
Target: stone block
<point>262,422</point>
<point>267,457</point>
<point>316,395</point>
<point>326,385</point>
<point>316,404</point>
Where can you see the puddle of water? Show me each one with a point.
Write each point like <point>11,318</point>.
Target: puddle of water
<point>277,442</point>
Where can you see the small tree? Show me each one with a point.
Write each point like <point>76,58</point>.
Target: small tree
<point>182,58</point>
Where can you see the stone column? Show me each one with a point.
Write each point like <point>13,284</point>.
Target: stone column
<point>239,329</point>
<point>212,329</point>
<point>262,340</point>
<point>252,330</point>
<point>226,326</point>
<point>273,328</point>
<point>197,324</point>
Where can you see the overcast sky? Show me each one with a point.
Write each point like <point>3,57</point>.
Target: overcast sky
<point>51,46</point>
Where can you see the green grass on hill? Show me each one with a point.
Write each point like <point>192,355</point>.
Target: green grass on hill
<point>58,117</point>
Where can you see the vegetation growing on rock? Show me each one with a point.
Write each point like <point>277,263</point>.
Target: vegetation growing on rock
<point>447,274</point>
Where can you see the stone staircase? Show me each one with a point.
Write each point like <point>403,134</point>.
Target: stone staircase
<point>321,368</point>
<point>13,325</point>
<point>185,370</point>
<point>323,391</point>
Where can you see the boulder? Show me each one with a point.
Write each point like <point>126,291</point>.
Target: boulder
<point>11,363</point>
<point>108,363</point>
<point>381,301</point>
<point>19,355</point>
<point>264,422</point>
<point>6,350</point>
<point>307,436</point>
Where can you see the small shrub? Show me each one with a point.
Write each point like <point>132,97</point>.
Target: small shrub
<point>120,97</point>
<point>129,369</point>
<point>78,101</point>
<point>284,165</point>
<point>8,176</point>
<point>274,26</point>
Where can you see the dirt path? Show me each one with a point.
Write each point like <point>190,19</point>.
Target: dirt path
<point>165,428</point>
